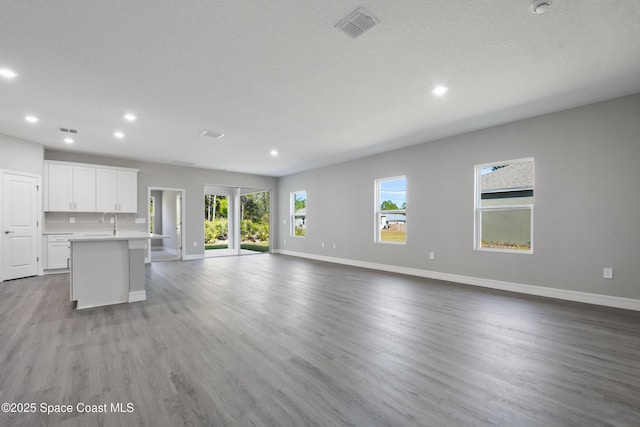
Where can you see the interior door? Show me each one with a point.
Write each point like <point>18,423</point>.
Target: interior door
<point>179,225</point>
<point>20,226</point>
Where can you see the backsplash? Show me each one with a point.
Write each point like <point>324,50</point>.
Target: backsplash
<point>85,221</point>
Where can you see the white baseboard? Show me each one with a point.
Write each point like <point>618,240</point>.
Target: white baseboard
<point>585,297</point>
<point>137,296</point>
<point>192,257</point>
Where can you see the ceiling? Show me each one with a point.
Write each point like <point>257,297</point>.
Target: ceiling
<point>279,75</point>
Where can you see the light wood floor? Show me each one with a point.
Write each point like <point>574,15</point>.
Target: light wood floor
<point>281,341</point>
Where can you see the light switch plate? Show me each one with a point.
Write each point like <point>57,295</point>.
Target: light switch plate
<point>607,273</point>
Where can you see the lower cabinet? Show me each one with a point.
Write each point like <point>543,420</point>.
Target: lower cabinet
<point>58,252</point>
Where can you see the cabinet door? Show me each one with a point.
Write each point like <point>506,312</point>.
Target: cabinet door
<point>127,191</point>
<point>84,189</point>
<point>60,188</point>
<point>57,255</point>
<point>106,190</point>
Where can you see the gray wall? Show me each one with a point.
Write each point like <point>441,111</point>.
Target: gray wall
<point>20,155</point>
<point>192,180</point>
<point>586,213</point>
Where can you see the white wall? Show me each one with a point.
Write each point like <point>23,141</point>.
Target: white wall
<point>20,155</point>
<point>586,214</point>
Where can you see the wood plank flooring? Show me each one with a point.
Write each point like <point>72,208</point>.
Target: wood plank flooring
<point>272,340</point>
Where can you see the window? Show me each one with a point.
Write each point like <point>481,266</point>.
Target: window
<point>299,213</point>
<point>152,213</point>
<point>391,210</point>
<point>504,206</point>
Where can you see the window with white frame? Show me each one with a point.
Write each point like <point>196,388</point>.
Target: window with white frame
<point>391,210</point>
<point>299,213</point>
<point>504,206</point>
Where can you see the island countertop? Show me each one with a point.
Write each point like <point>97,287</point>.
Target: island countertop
<point>109,236</point>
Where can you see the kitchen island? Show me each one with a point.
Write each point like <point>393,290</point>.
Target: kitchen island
<point>108,269</point>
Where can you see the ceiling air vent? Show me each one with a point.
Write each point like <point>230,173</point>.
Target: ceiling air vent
<point>67,130</point>
<point>357,23</point>
<point>212,134</point>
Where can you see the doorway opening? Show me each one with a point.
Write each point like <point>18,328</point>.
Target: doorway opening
<point>236,221</point>
<point>166,217</point>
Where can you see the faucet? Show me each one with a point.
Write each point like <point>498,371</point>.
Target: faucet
<point>115,222</point>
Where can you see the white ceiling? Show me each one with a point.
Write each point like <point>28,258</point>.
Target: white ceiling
<point>279,75</point>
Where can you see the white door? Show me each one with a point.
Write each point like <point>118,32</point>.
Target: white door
<point>179,225</point>
<point>20,226</point>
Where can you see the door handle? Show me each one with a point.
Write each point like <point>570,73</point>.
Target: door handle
<point>9,232</point>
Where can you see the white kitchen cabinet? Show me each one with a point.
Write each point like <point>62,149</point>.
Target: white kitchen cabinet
<point>79,187</point>
<point>58,252</point>
<point>70,188</point>
<point>116,190</point>
<point>58,255</point>
<point>107,190</point>
<point>127,191</point>
<point>84,189</point>
<point>59,188</point>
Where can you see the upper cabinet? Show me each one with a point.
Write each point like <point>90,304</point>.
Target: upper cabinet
<point>116,190</point>
<point>75,187</point>
<point>70,188</point>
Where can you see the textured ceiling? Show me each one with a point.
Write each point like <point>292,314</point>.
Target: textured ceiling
<point>278,75</point>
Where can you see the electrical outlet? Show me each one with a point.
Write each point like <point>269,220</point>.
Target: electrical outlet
<point>432,256</point>
<point>285,241</point>
<point>284,221</point>
<point>72,220</point>
<point>334,246</point>
<point>195,244</point>
<point>607,273</point>
<point>322,245</point>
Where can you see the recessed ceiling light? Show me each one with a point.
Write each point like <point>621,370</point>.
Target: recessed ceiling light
<point>7,73</point>
<point>118,134</point>
<point>130,117</point>
<point>540,6</point>
<point>274,152</point>
<point>68,140</point>
<point>31,119</point>
<point>440,90</point>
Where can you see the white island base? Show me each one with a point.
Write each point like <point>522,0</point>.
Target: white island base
<point>108,270</point>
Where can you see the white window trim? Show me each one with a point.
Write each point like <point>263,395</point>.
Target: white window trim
<point>478,209</point>
<point>379,212</point>
<point>292,213</point>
